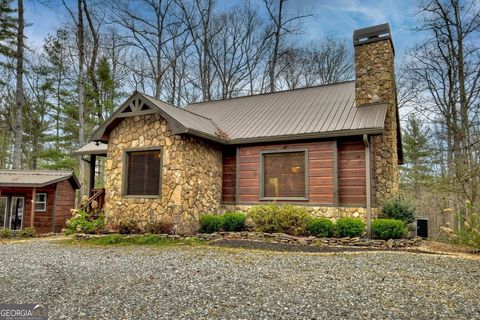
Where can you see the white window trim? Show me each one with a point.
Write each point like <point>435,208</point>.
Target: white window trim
<point>41,202</point>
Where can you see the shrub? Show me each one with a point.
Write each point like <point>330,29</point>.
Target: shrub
<point>349,227</point>
<point>27,232</point>
<point>388,229</point>
<point>128,227</point>
<point>5,233</point>
<point>398,209</point>
<point>233,221</point>
<point>321,227</point>
<point>280,218</point>
<point>159,227</point>
<point>468,232</point>
<point>211,223</point>
<point>84,222</point>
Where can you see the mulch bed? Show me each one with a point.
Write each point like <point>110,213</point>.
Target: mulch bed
<point>284,247</point>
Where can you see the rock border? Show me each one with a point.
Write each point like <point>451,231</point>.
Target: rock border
<point>284,239</point>
<point>311,240</point>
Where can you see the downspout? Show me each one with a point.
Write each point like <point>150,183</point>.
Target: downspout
<point>368,185</point>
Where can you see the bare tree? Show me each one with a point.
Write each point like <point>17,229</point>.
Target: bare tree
<point>80,41</point>
<point>148,23</point>
<point>281,26</point>
<point>446,68</point>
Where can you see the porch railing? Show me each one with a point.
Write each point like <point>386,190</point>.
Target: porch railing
<point>96,200</point>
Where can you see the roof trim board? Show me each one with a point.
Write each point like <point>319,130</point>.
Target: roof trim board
<point>56,176</point>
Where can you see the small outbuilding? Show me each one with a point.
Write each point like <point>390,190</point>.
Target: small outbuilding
<point>36,198</point>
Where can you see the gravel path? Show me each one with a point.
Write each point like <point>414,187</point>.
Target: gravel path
<point>212,283</point>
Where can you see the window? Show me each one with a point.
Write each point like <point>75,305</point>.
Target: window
<point>143,170</point>
<point>41,202</point>
<point>284,174</point>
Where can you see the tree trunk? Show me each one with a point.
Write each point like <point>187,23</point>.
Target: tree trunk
<point>19,99</point>
<point>81,91</point>
<point>273,62</point>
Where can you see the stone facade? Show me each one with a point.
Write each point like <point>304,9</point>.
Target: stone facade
<point>375,83</point>
<point>332,213</point>
<point>191,178</point>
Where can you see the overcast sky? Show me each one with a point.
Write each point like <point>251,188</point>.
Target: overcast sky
<point>330,17</point>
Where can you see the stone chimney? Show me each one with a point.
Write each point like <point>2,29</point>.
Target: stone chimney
<point>375,84</point>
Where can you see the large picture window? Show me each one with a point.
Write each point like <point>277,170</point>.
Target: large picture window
<point>143,173</point>
<point>284,174</point>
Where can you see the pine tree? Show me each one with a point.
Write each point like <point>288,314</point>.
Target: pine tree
<point>417,170</point>
<point>7,29</point>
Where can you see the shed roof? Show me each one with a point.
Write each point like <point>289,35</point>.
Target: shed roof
<point>321,111</point>
<point>35,178</point>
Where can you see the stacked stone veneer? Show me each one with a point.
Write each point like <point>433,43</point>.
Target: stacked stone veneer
<point>191,176</point>
<point>332,213</point>
<point>375,83</point>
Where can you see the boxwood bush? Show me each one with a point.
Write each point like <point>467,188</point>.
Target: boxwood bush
<point>210,223</point>
<point>388,229</point>
<point>271,218</point>
<point>321,227</point>
<point>349,227</point>
<point>399,209</point>
<point>233,221</point>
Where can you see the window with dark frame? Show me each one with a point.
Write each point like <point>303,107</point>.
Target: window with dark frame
<point>143,173</point>
<point>284,174</point>
<point>40,201</point>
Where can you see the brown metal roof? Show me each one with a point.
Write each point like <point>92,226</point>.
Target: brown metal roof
<point>35,178</point>
<point>314,112</point>
<point>97,148</point>
<point>181,121</point>
<point>327,110</point>
<point>193,123</point>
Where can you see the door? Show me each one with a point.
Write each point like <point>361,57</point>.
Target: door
<point>3,212</point>
<point>16,213</point>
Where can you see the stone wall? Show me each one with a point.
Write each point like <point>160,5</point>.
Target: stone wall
<point>375,83</point>
<point>191,178</point>
<point>332,213</point>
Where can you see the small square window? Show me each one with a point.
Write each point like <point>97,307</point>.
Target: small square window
<point>41,202</point>
<point>143,170</point>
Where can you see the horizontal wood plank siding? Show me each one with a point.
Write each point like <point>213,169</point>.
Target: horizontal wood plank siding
<point>351,172</point>
<point>65,203</point>
<point>320,173</point>
<point>229,164</point>
<point>43,219</point>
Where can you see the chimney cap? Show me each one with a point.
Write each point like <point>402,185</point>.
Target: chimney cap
<point>372,34</point>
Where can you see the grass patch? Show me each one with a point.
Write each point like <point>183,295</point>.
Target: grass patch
<point>135,240</point>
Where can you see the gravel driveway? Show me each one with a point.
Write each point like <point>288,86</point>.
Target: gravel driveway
<point>211,283</point>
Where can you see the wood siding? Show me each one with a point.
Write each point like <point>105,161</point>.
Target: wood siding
<point>320,173</point>
<point>351,172</point>
<point>65,203</point>
<point>350,168</point>
<point>229,180</point>
<point>43,220</point>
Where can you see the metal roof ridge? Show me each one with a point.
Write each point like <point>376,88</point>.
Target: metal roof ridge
<point>267,93</point>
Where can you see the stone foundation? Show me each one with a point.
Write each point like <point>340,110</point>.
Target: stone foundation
<point>332,213</point>
<point>191,176</point>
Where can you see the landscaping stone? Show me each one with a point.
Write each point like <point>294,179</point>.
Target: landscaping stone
<point>200,282</point>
